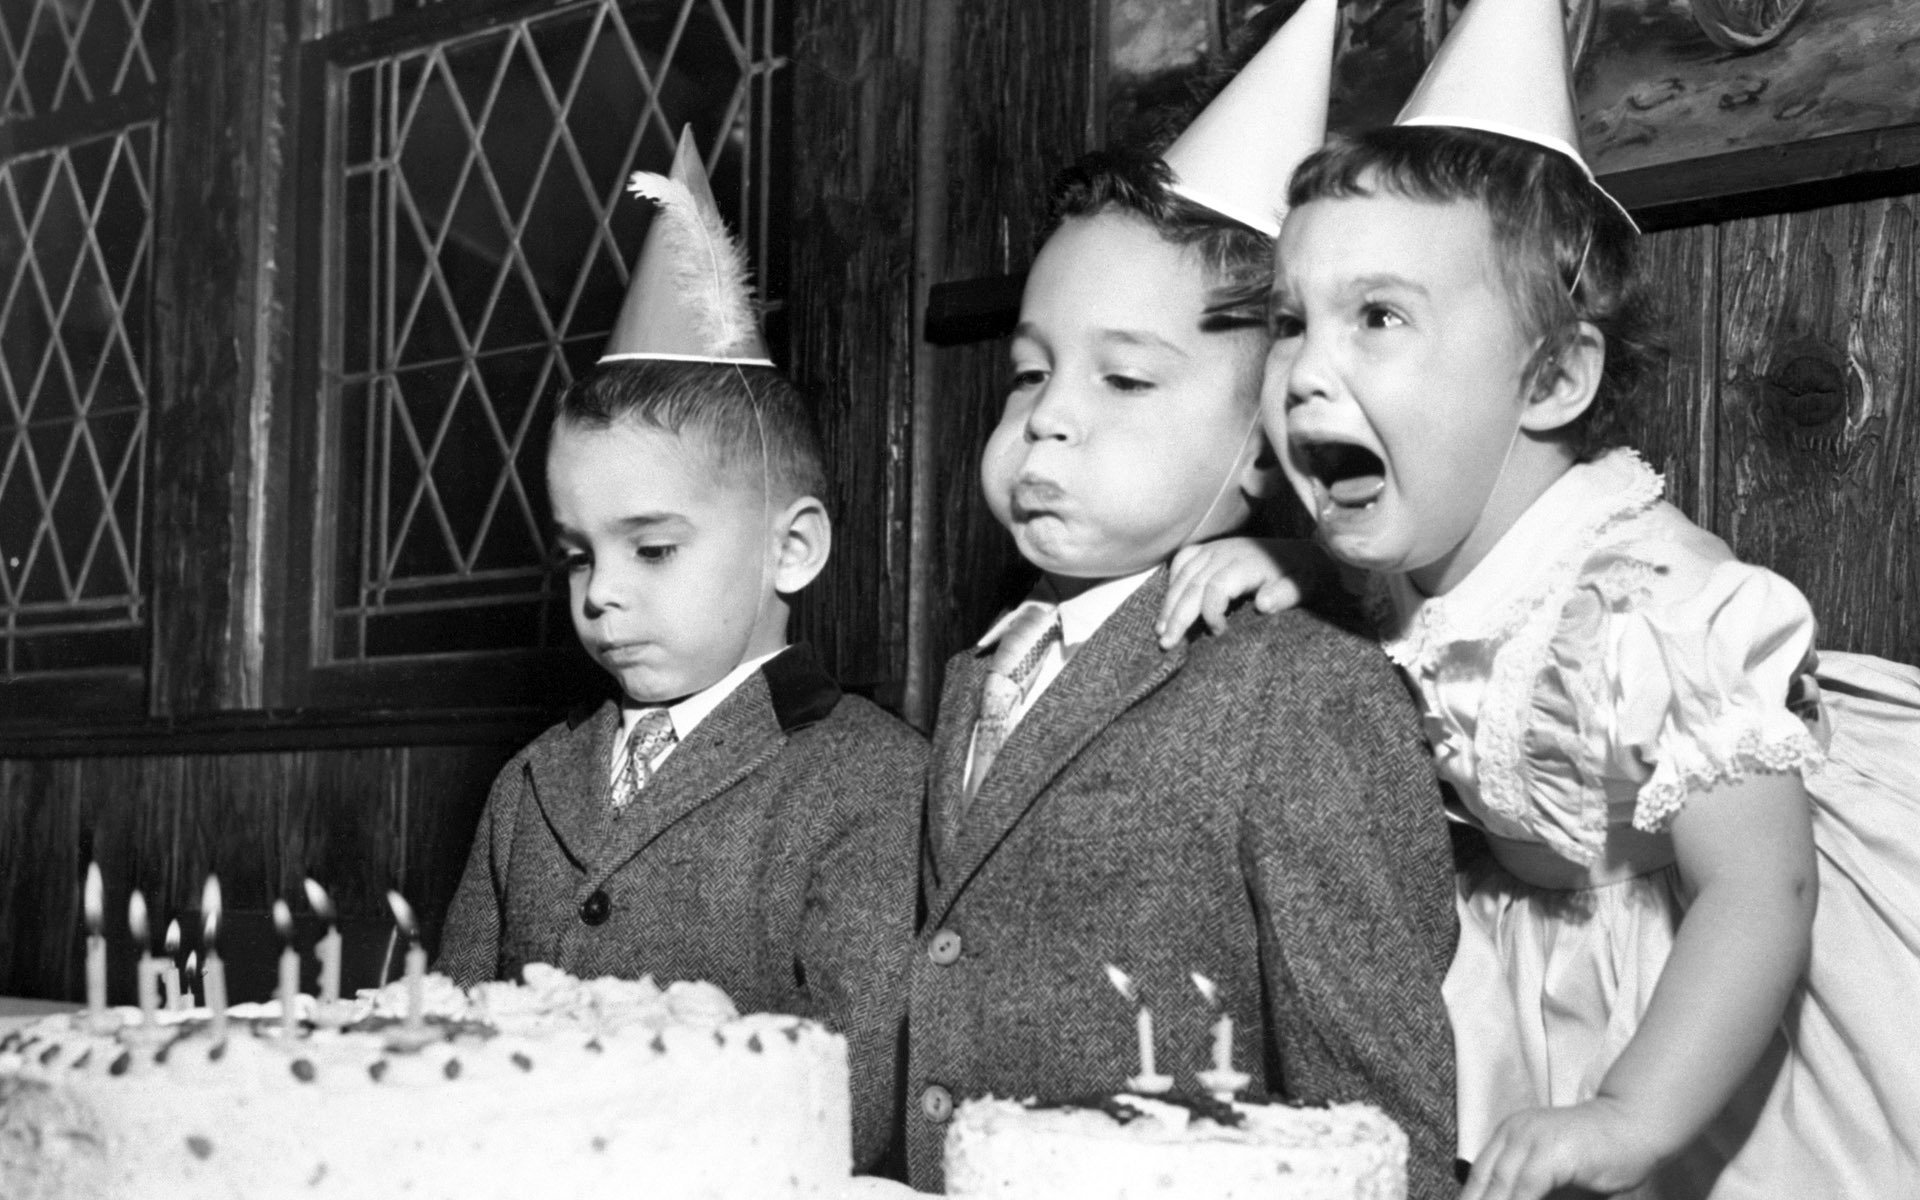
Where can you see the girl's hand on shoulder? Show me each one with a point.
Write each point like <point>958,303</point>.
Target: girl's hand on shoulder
<point>1208,578</point>
<point>1593,1148</point>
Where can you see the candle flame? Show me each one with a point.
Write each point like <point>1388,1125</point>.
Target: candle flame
<point>402,913</point>
<point>317,898</point>
<point>1208,988</point>
<point>283,920</point>
<point>1122,983</point>
<point>173,937</point>
<point>95,901</point>
<point>137,918</point>
<point>210,911</point>
<point>193,962</point>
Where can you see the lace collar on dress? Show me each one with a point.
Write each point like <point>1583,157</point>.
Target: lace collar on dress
<point>1561,530</point>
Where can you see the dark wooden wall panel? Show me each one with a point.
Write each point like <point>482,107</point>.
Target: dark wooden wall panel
<point>1676,431</point>
<point>359,820</point>
<point>855,75</point>
<point>1819,433</point>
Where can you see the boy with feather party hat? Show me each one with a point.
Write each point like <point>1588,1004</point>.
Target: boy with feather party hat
<point>727,814</point>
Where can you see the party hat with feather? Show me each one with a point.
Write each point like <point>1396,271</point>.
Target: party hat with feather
<point>1504,69</point>
<point>1237,155</point>
<point>689,299</point>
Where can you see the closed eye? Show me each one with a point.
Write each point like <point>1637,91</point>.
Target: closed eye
<point>1032,377</point>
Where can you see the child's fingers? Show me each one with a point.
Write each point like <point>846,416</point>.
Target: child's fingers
<point>1178,612</point>
<point>1215,596</point>
<point>1277,595</point>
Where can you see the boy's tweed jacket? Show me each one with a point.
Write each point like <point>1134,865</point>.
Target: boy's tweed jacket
<point>773,854</point>
<point>1257,807</point>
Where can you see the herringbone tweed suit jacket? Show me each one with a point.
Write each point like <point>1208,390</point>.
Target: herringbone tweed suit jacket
<point>1256,806</point>
<point>773,854</point>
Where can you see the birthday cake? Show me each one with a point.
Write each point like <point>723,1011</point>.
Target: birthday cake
<point>558,1087</point>
<point>1130,1147</point>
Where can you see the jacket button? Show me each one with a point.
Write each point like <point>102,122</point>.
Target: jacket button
<point>594,909</point>
<point>944,949</point>
<point>937,1103</point>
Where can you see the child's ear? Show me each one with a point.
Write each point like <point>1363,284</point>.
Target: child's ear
<point>805,540</point>
<point>1568,384</point>
<point>1261,478</point>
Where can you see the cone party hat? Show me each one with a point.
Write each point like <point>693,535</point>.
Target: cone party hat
<point>1504,69</point>
<point>689,299</point>
<point>1238,154</point>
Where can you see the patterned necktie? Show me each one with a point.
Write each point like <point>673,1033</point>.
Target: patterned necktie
<point>1016,659</point>
<point>652,733</point>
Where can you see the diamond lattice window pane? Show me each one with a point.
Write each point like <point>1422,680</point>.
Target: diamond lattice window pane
<point>484,239</point>
<point>56,54</point>
<point>77,222</point>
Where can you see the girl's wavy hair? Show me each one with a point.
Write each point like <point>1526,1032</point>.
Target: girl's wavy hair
<point>1566,254</point>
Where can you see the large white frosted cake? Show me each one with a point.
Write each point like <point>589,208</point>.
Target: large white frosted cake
<point>1131,1147</point>
<point>561,1087</point>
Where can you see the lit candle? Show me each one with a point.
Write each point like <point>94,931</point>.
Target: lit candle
<point>96,946</point>
<point>171,995</point>
<point>1222,1080</point>
<point>146,972</point>
<point>213,974</point>
<point>192,980</point>
<point>1149,1081</point>
<point>329,947</point>
<point>289,966</point>
<point>416,963</point>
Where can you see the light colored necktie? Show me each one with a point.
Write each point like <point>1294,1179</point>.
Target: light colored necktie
<point>1016,660</point>
<point>652,733</point>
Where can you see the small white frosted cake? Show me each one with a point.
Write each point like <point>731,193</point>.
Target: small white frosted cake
<point>558,1088</point>
<point>1133,1147</point>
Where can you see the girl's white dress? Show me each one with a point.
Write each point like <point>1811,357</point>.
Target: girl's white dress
<point>1606,659</point>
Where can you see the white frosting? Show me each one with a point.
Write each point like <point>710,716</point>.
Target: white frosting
<point>566,1087</point>
<point>1003,1150</point>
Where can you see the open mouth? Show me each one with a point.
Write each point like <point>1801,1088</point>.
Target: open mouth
<point>1351,475</point>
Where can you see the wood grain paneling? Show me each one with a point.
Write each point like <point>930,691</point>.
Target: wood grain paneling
<point>358,820</point>
<point>1819,434</point>
<point>219,191</point>
<point>1676,430</point>
<point>855,74</point>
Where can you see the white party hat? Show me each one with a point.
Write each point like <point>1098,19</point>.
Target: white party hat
<point>689,299</point>
<point>1503,69</point>
<point>1238,154</point>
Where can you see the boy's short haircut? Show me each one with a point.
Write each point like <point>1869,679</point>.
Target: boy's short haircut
<point>748,416</point>
<point>1565,252</point>
<point>1238,260</point>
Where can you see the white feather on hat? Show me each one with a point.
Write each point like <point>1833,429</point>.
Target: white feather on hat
<point>690,299</point>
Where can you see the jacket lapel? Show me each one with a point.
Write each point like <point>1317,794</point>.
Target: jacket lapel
<point>730,743</point>
<point>1114,670</point>
<point>568,768</point>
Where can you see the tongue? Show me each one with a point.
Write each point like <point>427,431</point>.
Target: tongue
<point>1357,491</point>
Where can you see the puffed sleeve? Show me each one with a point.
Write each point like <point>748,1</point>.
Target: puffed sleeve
<point>1702,683</point>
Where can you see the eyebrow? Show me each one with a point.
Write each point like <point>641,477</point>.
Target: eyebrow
<point>637,523</point>
<point>1360,283</point>
<point>1124,337</point>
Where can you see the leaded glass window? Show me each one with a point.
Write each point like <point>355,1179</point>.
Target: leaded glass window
<point>79,106</point>
<point>477,243</point>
